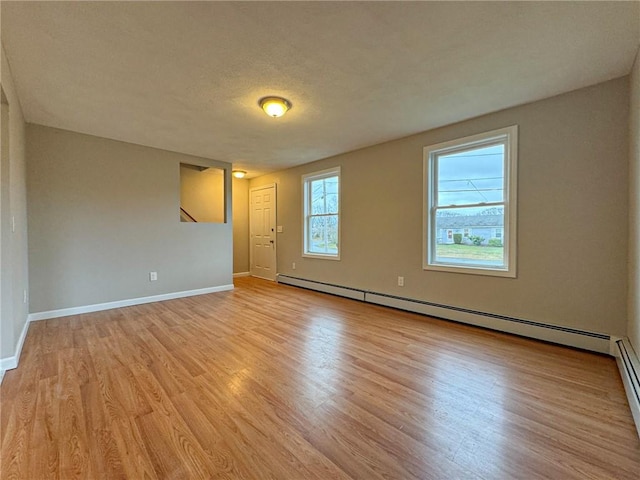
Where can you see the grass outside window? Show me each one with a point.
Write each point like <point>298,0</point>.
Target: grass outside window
<point>470,252</point>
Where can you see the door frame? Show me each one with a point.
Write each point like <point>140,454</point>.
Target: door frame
<point>251,220</point>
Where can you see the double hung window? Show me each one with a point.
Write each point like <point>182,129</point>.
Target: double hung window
<point>321,198</point>
<point>470,204</point>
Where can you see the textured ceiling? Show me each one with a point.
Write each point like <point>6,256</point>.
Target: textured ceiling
<point>187,76</point>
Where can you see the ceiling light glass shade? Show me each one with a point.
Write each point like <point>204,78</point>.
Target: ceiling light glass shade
<point>239,173</point>
<point>275,106</point>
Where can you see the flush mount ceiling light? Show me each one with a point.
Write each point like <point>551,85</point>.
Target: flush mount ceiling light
<point>274,106</point>
<point>238,173</point>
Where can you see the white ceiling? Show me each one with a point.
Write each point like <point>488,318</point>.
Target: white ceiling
<point>187,76</point>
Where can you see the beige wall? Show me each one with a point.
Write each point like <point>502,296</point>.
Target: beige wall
<point>103,214</point>
<point>572,216</point>
<point>13,210</point>
<point>240,225</point>
<point>633,330</point>
<point>202,193</point>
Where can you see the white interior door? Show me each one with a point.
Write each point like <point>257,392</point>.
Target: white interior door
<point>263,232</point>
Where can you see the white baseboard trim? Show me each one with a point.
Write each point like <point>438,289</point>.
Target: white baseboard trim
<point>323,287</point>
<point>572,337</point>
<point>12,362</point>
<point>64,312</point>
<point>629,366</point>
<point>242,274</point>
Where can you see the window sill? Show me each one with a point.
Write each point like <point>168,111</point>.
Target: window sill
<point>321,256</point>
<point>471,270</point>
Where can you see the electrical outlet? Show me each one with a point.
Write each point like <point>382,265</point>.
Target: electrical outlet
<point>293,265</point>
<point>153,276</point>
<point>401,281</point>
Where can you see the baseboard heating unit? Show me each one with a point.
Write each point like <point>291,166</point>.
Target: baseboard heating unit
<point>629,367</point>
<point>338,290</point>
<point>572,337</point>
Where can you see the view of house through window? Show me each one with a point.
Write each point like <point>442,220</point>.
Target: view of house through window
<point>321,213</point>
<point>471,204</point>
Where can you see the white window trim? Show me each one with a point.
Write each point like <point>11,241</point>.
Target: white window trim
<point>330,172</point>
<point>510,203</point>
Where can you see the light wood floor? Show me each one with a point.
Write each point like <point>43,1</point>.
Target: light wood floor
<point>270,381</point>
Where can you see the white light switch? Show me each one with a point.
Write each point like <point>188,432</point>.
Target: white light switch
<point>279,229</point>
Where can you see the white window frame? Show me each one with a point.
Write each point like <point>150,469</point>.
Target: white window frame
<point>306,204</point>
<point>509,136</point>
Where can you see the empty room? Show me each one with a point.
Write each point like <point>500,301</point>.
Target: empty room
<point>320,240</point>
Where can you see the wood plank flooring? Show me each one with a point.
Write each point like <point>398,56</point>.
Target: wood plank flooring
<point>271,381</point>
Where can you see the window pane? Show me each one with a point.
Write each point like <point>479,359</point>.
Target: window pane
<point>324,234</point>
<point>316,234</point>
<point>317,206</point>
<point>331,189</point>
<point>471,176</point>
<point>332,203</point>
<point>470,236</point>
<point>317,197</point>
<point>324,196</point>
